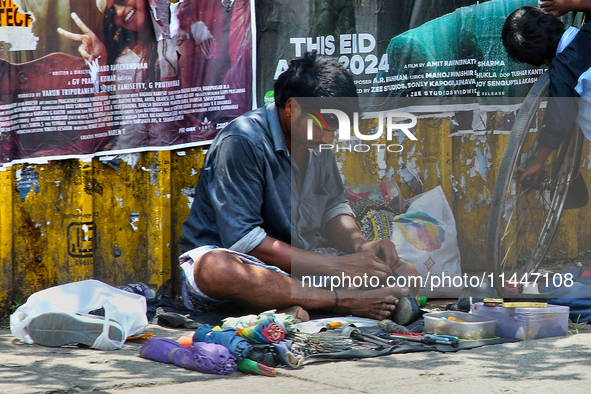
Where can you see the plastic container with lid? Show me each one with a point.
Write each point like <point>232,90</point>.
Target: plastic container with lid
<point>459,324</point>
<point>526,323</point>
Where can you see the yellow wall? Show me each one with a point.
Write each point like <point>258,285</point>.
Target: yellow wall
<point>120,222</point>
<point>71,220</point>
<point>465,165</point>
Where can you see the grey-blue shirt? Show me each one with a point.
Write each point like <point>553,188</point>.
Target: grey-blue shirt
<point>245,190</point>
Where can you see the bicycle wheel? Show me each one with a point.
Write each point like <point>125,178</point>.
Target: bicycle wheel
<point>523,218</point>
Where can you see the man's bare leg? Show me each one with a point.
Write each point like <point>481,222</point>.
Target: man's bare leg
<point>223,276</point>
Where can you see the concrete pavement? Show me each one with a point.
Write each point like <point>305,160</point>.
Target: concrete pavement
<point>549,365</point>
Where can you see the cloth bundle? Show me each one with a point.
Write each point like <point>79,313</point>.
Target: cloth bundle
<point>238,347</point>
<point>202,357</point>
<point>262,333</point>
<point>283,320</point>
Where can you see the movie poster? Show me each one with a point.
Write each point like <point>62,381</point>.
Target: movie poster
<point>85,77</point>
<point>397,48</point>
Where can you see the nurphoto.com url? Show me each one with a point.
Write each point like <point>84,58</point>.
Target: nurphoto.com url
<point>435,281</point>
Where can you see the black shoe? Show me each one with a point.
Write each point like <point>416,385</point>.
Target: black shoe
<point>407,311</point>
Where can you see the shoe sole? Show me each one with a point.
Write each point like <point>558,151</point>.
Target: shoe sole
<point>59,329</point>
<point>407,311</point>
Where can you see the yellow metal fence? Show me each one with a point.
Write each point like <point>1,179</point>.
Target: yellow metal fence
<point>465,165</point>
<point>119,219</point>
<point>116,220</point>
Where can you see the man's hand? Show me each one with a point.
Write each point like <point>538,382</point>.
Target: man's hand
<point>90,46</point>
<point>561,7</point>
<point>531,173</point>
<point>377,258</point>
<point>385,250</point>
<point>360,264</point>
<point>368,259</point>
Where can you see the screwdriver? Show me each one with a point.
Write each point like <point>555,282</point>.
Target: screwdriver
<point>429,339</point>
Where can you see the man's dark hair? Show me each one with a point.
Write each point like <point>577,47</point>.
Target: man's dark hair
<point>313,76</point>
<point>531,36</point>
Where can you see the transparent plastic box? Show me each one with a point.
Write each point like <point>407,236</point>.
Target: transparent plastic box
<point>526,323</point>
<point>471,326</point>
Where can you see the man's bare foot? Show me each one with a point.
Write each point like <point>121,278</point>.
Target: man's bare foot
<point>375,304</point>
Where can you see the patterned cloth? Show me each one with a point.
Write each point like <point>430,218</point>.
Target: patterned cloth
<point>262,333</point>
<point>283,320</point>
<point>374,218</point>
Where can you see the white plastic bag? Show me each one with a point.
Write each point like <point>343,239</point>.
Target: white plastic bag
<point>426,237</point>
<point>127,309</point>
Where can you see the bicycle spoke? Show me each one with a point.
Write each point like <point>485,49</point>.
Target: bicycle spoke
<point>524,218</point>
<point>534,223</point>
<point>540,196</point>
<point>517,223</point>
<point>520,233</point>
<point>513,211</point>
<point>528,231</point>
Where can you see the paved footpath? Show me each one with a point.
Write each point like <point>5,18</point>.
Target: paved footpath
<point>551,365</point>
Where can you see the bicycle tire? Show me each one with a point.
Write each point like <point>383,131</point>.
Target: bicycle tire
<point>508,250</point>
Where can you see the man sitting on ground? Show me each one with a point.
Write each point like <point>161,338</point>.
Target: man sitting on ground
<point>257,169</point>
